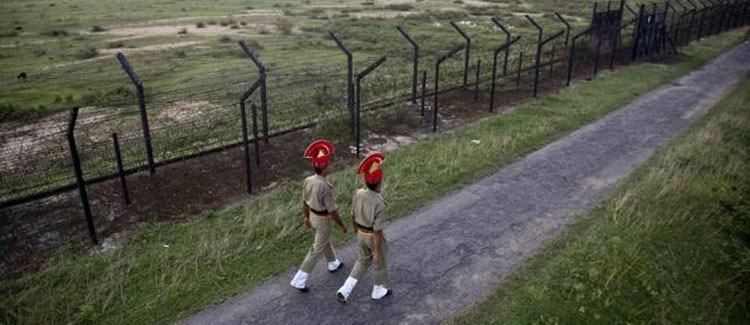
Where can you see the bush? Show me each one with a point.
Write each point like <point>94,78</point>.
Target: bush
<point>400,7</point>
<point>182,31</point>
<point>86,53</point>
<point>200,25</point>
<point>56,33</point>
<point>97,29</point>
<point>11,33</point>
<point>285,26</point>
<point>115,45</point>
<point>225,39</point>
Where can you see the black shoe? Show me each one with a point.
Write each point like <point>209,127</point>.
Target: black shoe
<point>305,289</point>
<point>387,293</point>
<point>341,298</point>
<point>338,268</point>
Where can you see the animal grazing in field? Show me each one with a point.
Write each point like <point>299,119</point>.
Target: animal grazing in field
<point>21,76</point>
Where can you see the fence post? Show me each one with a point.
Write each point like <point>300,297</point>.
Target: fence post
<point>507,40</point>
<point>415,64</point>
<point>638,33</point>
<point>679,22</point>
<point>142,107</point>
<point>245,140</point>
<point>120,169</point>
<point>538,53</point>
<point>424,86</point>
<point>79,175</point>
<point>262,78</point>
<point>349,77</point>
<point>567,30</point>
<point>476,82</point>
<point>692,19</point>
<point>494,69</point>
<point>573,52</point>
<point>616,36</point>
<point>437,82</point>
<point>361,76</point>
<point>552,61</point>
<point>703,16</point>
<point>468,51</point>
<point>518,71</point>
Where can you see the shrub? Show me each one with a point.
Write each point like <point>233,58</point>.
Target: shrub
<point>200,24</point>
<point>225,39</point>
<point>285,26</point>
<point>182,31</point>
<point>115,45</point>
<point>56,33</point>
<point>97,29</point>
<point>11,33</point>
<point>400,7</point>
<point>86,53</point>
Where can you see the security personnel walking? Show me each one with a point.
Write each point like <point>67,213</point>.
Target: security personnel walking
<point>318,208</point>
<point>368,217</point>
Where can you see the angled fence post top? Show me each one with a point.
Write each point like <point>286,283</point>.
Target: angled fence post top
<point>254,57</point>
<point>500,25</point>
<point>461,31</point>
<point>552,37</point>
<point>408,37</point>
<point>541,30</point>
<point>371,67</point>
<point>507,44</point>
<point>129,69</point>
<point>340,44</point>
<point>451,53</point>
<point>562,19</point>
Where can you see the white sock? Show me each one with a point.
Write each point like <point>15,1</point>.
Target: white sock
<point>348,286</point>
<point>334,265</point>
<point>299,279</point>
<point>379,291</point>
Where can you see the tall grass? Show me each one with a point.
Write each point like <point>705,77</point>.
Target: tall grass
<point>670,246</point>
<point>170,270</point>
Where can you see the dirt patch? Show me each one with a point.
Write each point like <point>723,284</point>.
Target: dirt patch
<point>19,141</point>
<point>134,32</point>
<point>151,48</point>
<point>183,111</point>
<point>385,14</point>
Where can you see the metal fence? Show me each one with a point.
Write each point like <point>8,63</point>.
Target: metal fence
<point>203,111</point>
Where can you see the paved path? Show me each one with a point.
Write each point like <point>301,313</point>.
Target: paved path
<point>446,255</point>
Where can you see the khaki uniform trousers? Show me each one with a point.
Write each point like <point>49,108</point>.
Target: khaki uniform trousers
<point>366,248</point>
<point>321,245</point>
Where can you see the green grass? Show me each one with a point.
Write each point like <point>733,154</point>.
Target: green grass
<point>670,246</point>
<point>224,253</point>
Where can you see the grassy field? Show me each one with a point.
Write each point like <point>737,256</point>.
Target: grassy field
<point>170,270</point>
<point>186,53</point>
<point>67,47</point>
<point>670,246</point>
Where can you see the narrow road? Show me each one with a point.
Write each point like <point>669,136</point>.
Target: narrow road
<point>446,255</point>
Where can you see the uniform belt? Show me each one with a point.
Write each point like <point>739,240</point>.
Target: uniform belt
<point>365,229</point>
<point>320,213</point>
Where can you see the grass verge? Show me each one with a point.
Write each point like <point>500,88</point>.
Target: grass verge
<point>670,246</point>
<point>168,271</point>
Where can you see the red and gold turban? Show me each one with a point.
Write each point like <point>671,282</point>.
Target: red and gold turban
<point>370,169</point>
<point>318,152</point>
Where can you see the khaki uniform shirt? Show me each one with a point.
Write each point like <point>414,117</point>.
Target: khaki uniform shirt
<point>318,194</point>
<point>369,209</point>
